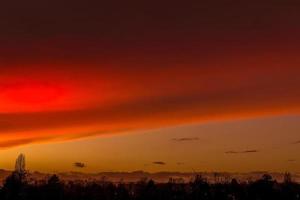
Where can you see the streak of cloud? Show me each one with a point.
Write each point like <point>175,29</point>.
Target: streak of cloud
<point>23,141</point>
<point>242,152</point>
<point>185,139</point>
<point>158,163</point>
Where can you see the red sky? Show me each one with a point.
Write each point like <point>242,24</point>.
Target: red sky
<point>73,69</point>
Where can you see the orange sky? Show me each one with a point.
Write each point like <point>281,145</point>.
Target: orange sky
<point>43,100</point>
<point>87,72</point>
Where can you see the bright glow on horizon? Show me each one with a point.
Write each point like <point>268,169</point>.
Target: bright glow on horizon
<point>85,71</point>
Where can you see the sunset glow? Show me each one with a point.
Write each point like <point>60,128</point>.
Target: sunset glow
<point>133,71</point>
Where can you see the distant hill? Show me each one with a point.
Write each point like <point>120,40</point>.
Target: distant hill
<point>157,177</point>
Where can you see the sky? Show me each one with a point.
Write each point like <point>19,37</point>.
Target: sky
<point>123,86</point>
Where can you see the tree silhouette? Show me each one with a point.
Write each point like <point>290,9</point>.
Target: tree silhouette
<point>53,188</point>
<point>14,186</point>
<point>17,188</point>
<point>20,165</point>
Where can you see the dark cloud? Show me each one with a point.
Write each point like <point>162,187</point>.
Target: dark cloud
<point>250,151</point>
<point>297,142</point>
<point>79,165</point>
<point>291,160</point>
<point>180,163</point>
<point>242,152</point>
<point>36,19</point>
<point>77,30</point>
<point>185,139</point>
<point>158,163</point>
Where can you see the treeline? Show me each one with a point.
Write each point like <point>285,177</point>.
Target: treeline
<point>17,187</point>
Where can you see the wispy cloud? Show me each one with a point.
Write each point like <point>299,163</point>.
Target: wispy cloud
<point>158,163</point>
<point>185,139</point>
<point>23,141</point>
<point>242,152</point>
<point>180,163</point>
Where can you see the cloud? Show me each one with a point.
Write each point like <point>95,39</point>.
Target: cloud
<point>250,151</point>
<point>153,112</point>
<point>242,152</point>
<point>291,160</point>
<point>185,139</point>
<point>79,165</point>
<point>148,113</point>
<point>158,163</point>
<point>297,142</point>
<point>106,89</point>
<point>187,80</point>
<point>23,141</point>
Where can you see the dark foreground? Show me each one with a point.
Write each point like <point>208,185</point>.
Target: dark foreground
<point>17,187</point>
